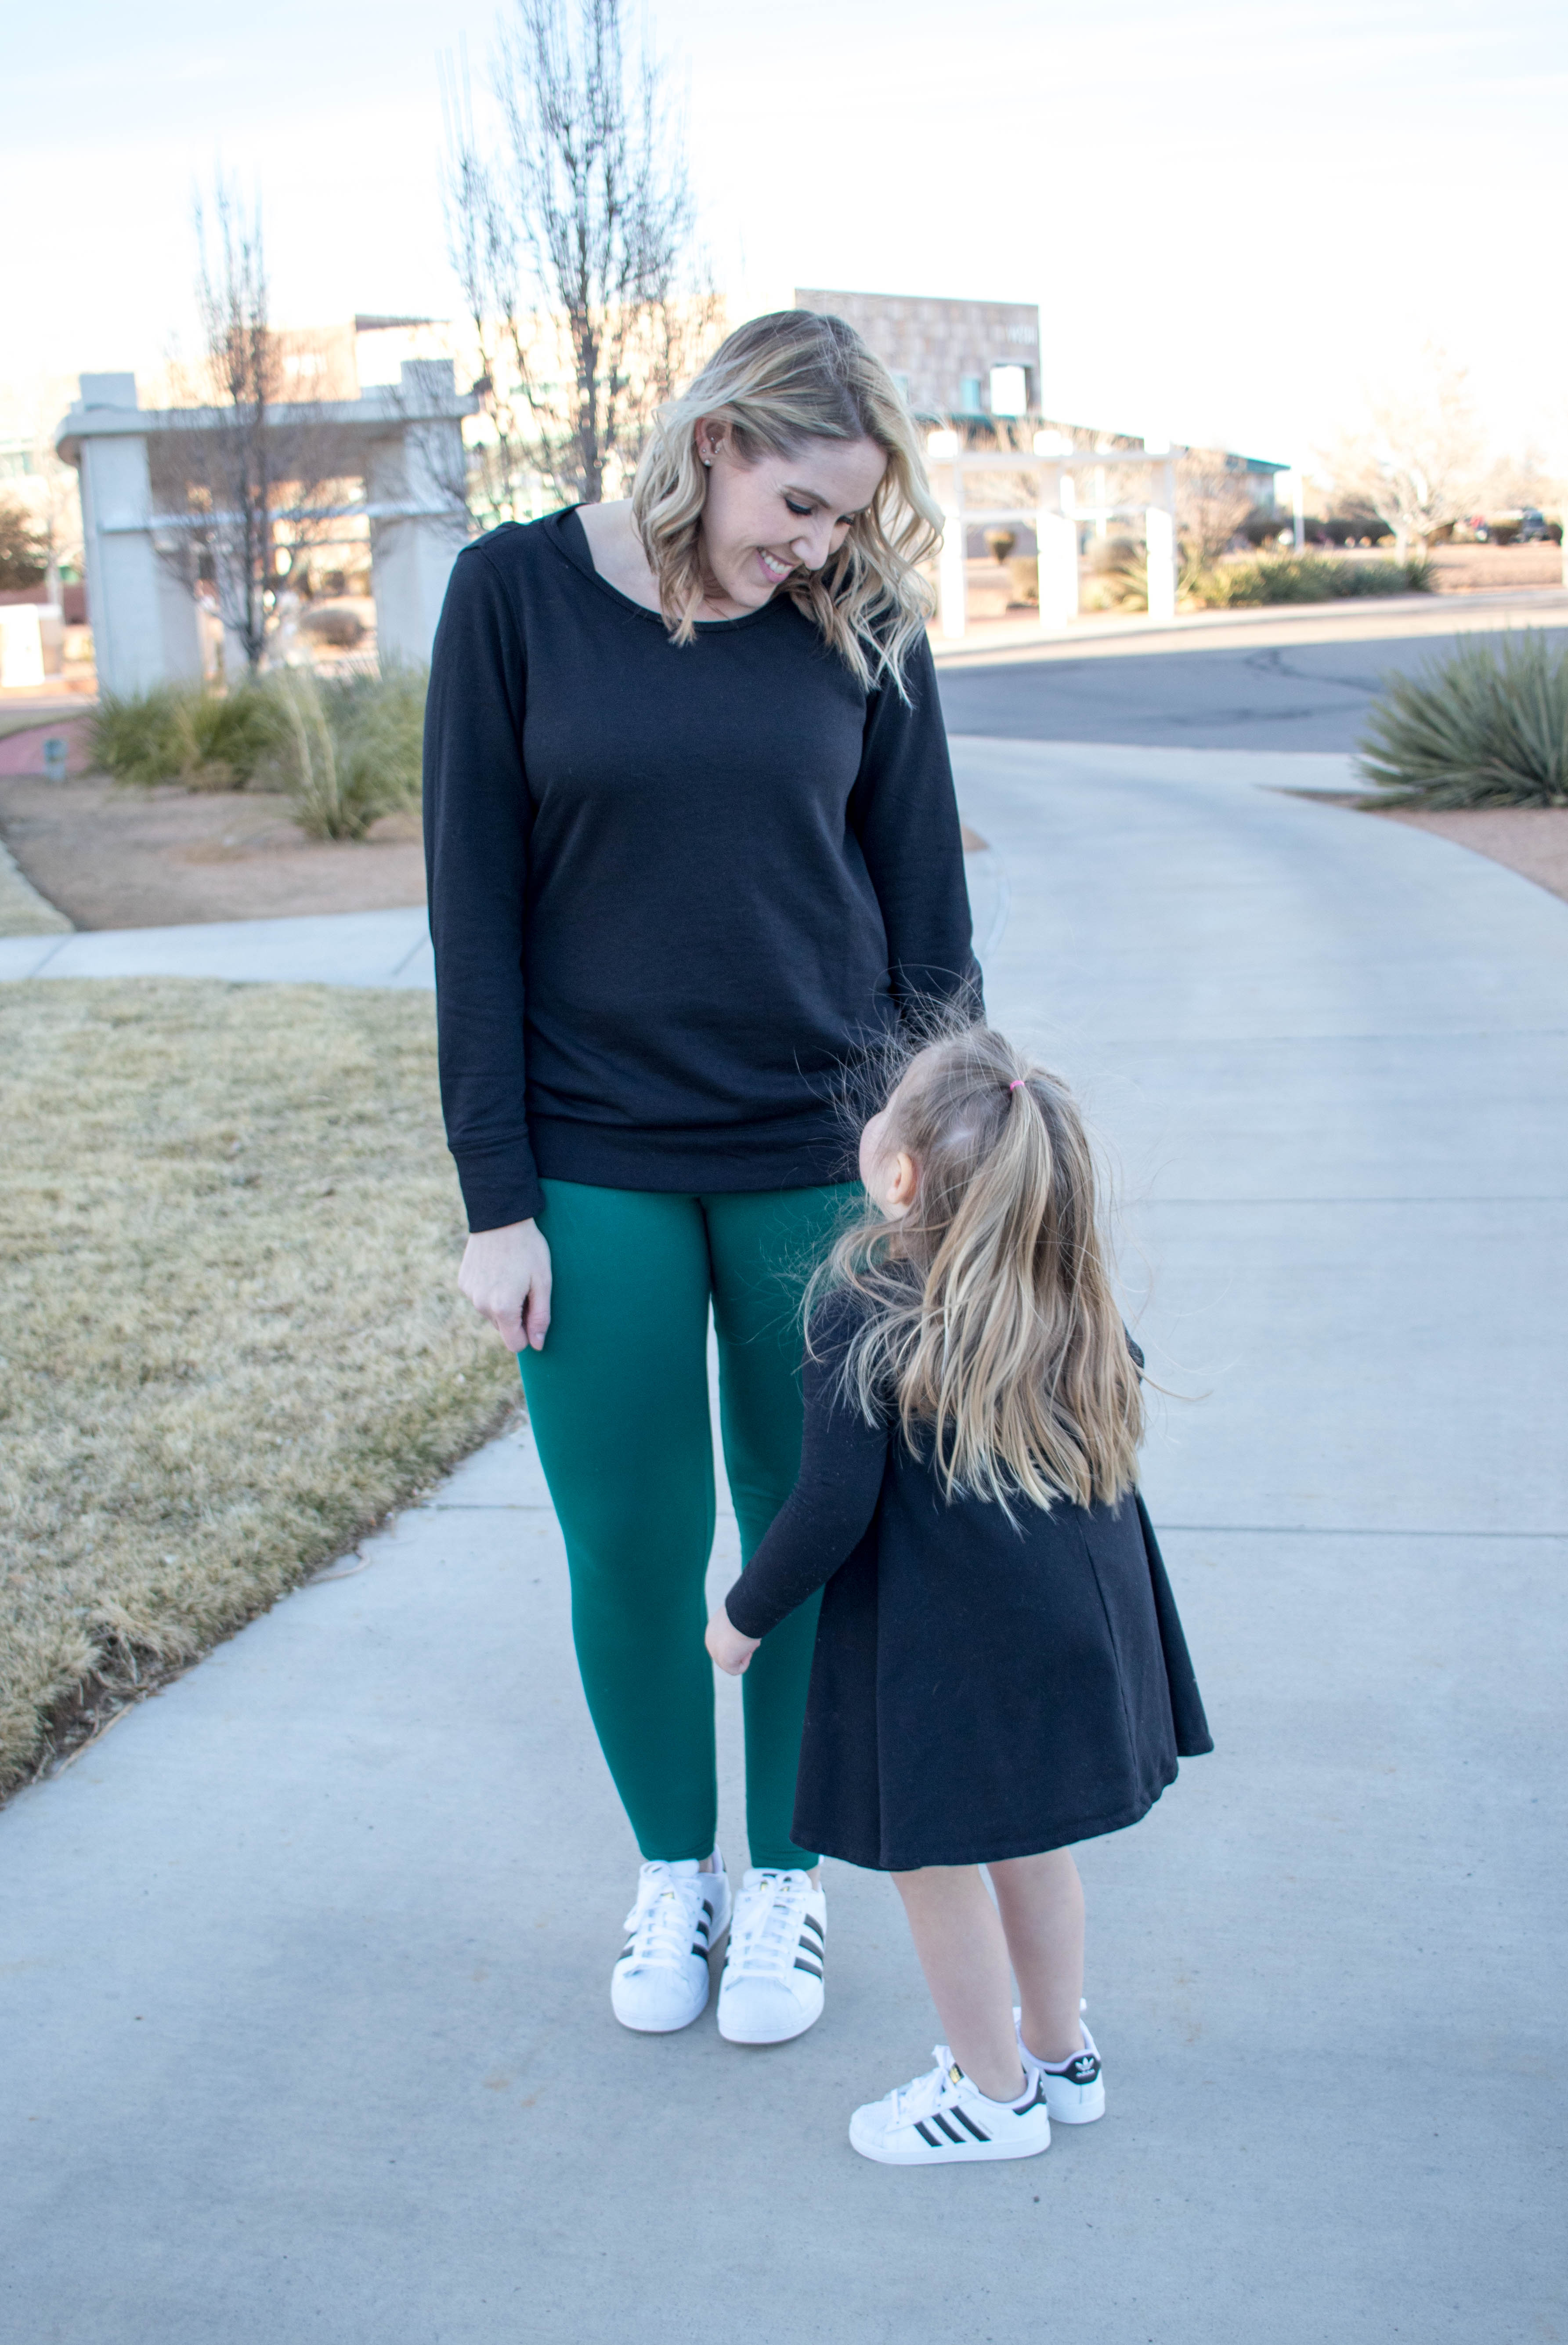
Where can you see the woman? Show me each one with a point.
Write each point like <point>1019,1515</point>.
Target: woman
<point>693,845</point>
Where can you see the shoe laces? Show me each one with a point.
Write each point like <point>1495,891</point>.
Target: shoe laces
<point>659,1924</point>
<point>926,2093</point>
<point>764,1931</point>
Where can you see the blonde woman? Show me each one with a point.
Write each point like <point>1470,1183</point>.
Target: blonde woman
<point>1001,1671</point>
<point>693,845</point>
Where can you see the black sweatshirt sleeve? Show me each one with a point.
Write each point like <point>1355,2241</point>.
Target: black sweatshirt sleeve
<point>831,1507</point>
<point>477,825</point>
<point>906,814</point>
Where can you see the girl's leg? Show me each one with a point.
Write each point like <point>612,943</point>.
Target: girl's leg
<point>763,1247</point>
<point>958,1938</point>
<point>618,1399</point>
<point>1041,1901</point>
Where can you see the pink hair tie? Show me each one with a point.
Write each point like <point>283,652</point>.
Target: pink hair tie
<point>1019,1084</point>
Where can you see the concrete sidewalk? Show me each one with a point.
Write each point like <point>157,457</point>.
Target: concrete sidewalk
<point>393,948</point>
<point>304,1968</point>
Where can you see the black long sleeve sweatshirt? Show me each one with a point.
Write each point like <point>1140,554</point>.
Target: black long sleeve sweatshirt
<point>672,890</point>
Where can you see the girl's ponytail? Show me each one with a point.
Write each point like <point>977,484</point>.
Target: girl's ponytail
<point>991,1325</point>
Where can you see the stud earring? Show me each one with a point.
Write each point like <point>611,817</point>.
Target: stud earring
<point>707,459</point>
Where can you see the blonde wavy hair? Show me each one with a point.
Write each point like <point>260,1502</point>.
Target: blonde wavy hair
<point>776,382</point>
<point>989,1328</point>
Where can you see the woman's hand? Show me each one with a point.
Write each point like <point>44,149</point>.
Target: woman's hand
<point>728,1647</point>
<point>505,1275</point>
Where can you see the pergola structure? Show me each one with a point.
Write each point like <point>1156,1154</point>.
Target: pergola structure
<point>402,442</point>
<point>1056,518</point>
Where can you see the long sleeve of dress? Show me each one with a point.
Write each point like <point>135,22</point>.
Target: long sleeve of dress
<point>831,1507</point>
<point>477,821</point>
<point>906,814</point>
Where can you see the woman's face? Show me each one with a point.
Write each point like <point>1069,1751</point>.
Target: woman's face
<point>763,521</point>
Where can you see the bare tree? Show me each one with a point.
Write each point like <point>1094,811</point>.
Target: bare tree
<point>1211,503</point>
<point>574,251</point>
<point>1415,466</point>
<point>248,468</point>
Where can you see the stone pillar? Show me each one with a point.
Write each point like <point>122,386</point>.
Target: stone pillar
<point>952,580</point>
<point>1056,535</point>
<point>414,475</point>
<point>1159,539</point>
<point>145,624</point>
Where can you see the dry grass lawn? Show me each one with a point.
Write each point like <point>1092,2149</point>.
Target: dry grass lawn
<point>231,1339</point>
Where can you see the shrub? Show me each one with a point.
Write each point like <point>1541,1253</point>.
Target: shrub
<point>350,749</point>
<point>24,550</point>
<point>1485,727</point>
<point>1304,578</point>
<point>346,750</point>
<point>184,732</point>
<point>343,630</point>
<point>1024,579</point>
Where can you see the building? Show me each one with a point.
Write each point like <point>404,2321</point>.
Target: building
<point>975,364</point>
<point>953,360</point>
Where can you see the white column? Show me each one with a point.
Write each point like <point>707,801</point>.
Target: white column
<point>1159,539</point>
<point>145,624</point>
<point>1299,510</point>
<point>952,580</point>
<point>1057,535</point>
<point>418,466</point>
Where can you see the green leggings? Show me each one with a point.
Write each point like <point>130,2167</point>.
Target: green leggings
<point>618,1399</point>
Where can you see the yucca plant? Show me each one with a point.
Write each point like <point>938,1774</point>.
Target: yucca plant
<point>1488,727</point>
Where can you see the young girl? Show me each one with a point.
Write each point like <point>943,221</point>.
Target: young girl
<point>1000,1668</point>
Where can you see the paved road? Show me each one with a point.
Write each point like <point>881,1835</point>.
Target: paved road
<point>303,1968</point>
<point>1228,693</point>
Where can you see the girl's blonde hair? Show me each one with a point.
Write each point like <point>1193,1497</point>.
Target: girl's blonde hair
<point>990,1327</point>
<point>777,381</point>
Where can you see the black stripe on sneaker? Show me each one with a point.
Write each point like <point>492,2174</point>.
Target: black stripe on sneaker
<point>928,2138</point>
<point>802,1964</point>
<point>951,2131</point>
<point>700,1950</point>
<point>811,1923</point>
<point>702,1922</point>
<point>966,2119</point>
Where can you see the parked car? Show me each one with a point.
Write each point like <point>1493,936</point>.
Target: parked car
<point>1529,527</point>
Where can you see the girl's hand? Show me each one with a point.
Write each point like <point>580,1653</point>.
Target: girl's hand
<point>505,1275</point>
<point>728,1647</point>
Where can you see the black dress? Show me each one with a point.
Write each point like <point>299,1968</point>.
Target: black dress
<point>981,1689</point>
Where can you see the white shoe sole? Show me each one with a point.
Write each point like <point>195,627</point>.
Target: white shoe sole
<point>1088,2106</point>
<point>657,2027</point>
<point>975,2153</point>
<point>732,2033</point>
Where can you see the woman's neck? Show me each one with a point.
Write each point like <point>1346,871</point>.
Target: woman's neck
<point>619,558</point>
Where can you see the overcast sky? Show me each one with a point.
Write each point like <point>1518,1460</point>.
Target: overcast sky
<point>1233,217</point>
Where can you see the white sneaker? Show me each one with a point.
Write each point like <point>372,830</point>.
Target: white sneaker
<point>1075,2088</point>
<point>773,1985</point>
<point>661,1981</point>
<point>944,2119</point>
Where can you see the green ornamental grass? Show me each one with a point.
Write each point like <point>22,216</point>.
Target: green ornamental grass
<point>184,732</point>
<point>1487,726</point>
<point>347,749</point>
